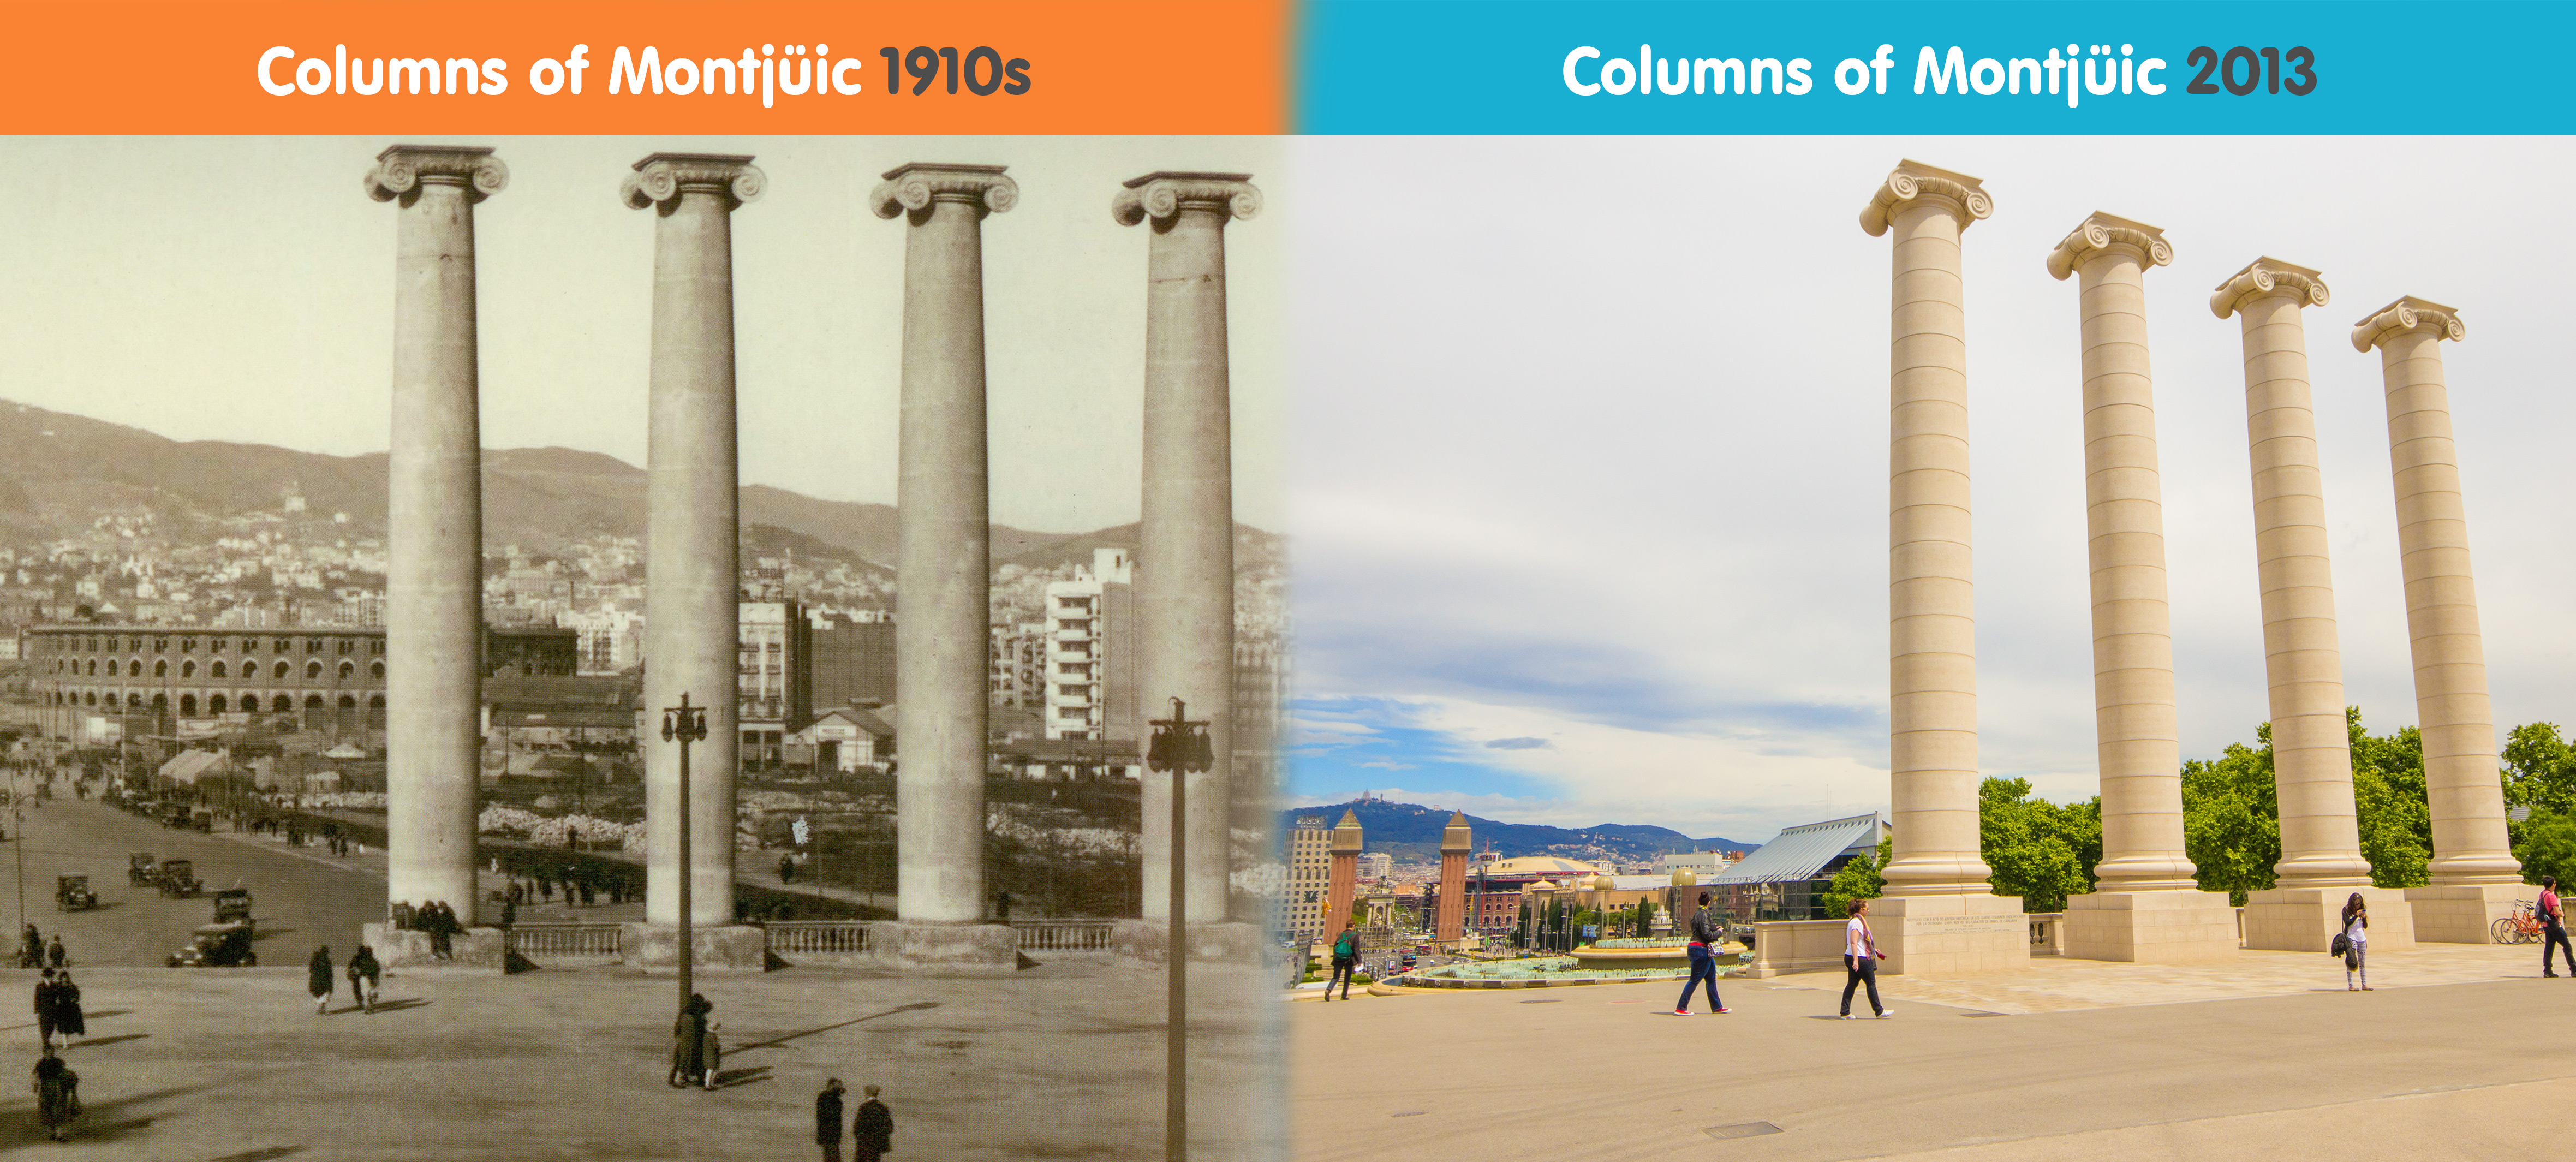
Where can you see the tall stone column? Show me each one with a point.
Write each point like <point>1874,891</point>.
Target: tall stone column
<point>2474,874</point>
<point>1456,841</point>
<point>692,614</point>
<point>1341,882</point>
<point>2147,906</point>
<point>434,552</point>
<point>1937,872</point>
<point>1185,549</point>
<point>943,569</point>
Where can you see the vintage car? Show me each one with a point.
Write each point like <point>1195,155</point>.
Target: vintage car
<point>216,946</point>
<point>178,879</point>
<point>176,814</point>
<point>72,894</point>
<point>231,905</point>
<point>141,870</point>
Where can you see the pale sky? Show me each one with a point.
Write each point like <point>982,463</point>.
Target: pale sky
<point>241,289</point>
<point>1590,454</point>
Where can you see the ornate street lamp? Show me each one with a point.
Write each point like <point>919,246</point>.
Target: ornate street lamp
<point>1180,748</point>
<point>685,724</point>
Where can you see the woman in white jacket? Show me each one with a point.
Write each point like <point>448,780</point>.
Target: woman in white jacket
<point>1860,959</point>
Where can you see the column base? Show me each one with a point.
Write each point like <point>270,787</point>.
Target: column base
<point>1224,941</point>
<point>2167,927</point>
<point>2306,919</point>
<point>1786,946</point>
<point>932,948</point>
<point>1950,935</point>
<point>475,950</point>
<point>2464,914</point>
<point>655,948</point>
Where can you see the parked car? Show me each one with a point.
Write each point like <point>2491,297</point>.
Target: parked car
<point>72,894</point>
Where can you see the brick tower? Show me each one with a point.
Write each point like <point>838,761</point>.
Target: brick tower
<point>1455,843</point>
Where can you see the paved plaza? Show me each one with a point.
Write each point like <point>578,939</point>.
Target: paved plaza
<point>1061,1061</point>
<point>2459,1052</point>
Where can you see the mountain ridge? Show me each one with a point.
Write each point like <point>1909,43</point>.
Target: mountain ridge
<point>1411,831</point>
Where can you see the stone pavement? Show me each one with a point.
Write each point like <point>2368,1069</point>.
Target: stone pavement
<point>1061,1061</point>
<point>2461,1052</point>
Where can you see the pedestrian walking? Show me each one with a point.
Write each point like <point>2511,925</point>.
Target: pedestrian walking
<point>55,956</point>
<point>786,869</point>
<point>441,921</point>
<point>46,1010</point>
<point>589,892</point>
<point>57,1094</point>
<point>2356,941</point>
<point>827,1119</point>
<point>509,913</point>
<point>872,1131</point>
<point>1705,936</point>
<point>1346,963</point>
<point>69,1020</point>
<point>688,1039</point>
<point>365,973</point>
<point>31,949</point>
<point>318,979</point>
<point>2553,918</point>
<point>1860,961</point>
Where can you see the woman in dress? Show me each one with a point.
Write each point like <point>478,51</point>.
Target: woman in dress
<point>2356,934</point>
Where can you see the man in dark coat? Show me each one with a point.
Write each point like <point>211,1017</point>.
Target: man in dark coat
<point>365,973</point>
<point>45,1009</point>
<point>827,1120</point>
<point>688,1040</point>
<point>319,980</point>
<point>872,1132</point>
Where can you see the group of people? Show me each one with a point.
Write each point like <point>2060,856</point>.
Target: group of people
<point>696,1058</point>
<point>34,951</point>
<point>871,1129</point>
<point>580,883</point>
<point>58,1008</point>
<point>437,918</point>
<point>365,974</point>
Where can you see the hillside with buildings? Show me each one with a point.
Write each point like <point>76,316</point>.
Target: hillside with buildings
<point>1410,833</point>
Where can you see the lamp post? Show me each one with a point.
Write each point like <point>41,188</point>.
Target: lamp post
<point>1180,747</point>
<point>685,724</point>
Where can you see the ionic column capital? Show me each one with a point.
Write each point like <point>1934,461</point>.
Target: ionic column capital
<point>401,169</point>
<point>1963,196</point>
<point>2407,316</point>
<point>1163,194</point>
<point>2102,234</point>
<point>2268,276</point>
<point>915,185</point>
<point>661,178</point>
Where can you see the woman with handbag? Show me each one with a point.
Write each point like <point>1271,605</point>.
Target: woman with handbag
<point>1860,959</point>
<point>2356,939</point>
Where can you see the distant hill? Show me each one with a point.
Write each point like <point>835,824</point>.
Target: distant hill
<point>1410,831</point>
<point>59,472</point>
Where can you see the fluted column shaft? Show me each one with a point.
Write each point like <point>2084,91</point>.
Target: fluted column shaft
<point>434,550</point>
<point>1185,546</point>
<point>2464,793</point>
<point>692,599</point>
<point>2137,749</point>
<point>2302,661</point>
<point>943,576</point>
<point>1932,686</point>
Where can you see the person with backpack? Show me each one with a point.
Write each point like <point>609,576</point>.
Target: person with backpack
<point>2553,937</point>
<point>1346,962</point>
<point>2355,941</point>
<point>1705,935</point>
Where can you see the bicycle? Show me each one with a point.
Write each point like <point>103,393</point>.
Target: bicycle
<point>2523,927</point>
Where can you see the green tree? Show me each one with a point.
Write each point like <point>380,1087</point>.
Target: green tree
<point>2539,769</point>
<point>2231,819</point>
<point>1861,879</point>
<point>1645,918</point>
<point>2389,804</point>
<point>2548,848</point>
<point>2040,851</point>
<point>1521,931</point>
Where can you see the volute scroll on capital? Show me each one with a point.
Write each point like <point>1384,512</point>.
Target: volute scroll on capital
<point>1162,195</point>
<point>661,178</point>
<point>400,169</point>
<point>2268,276</point>
<point>1965,197</point>
<point>2408,315</point>
<point>2108,234</point>
<point>915,185</point>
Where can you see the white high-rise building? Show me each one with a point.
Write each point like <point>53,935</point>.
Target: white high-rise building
<point>1090,674</point>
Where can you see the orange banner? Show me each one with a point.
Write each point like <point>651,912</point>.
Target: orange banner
<point>647,66</point>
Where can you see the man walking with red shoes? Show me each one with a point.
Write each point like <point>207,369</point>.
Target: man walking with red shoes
<point>1706,934</point>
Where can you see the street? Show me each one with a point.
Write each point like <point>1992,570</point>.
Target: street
<point>299,901</point>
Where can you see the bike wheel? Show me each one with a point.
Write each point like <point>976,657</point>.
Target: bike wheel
<point>2505,932</point>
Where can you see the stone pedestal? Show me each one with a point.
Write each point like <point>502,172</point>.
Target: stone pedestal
<point>2306,919</point>
<point>2460,913</point>
<point>655,948</point>
<point>2171,927</point>
<point>1950,935</point>
<point>1227,942</point>
<point>925,946</point>
<point>475,950</point>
